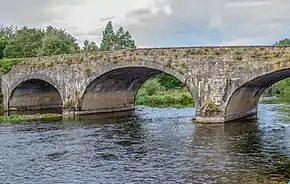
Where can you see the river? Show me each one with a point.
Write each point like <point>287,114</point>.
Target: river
<point>150,145</point>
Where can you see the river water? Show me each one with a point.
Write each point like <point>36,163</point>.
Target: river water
<point>150,145</point>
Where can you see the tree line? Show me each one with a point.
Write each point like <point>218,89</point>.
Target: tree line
<point>31,42</point>
<point>27,42</point>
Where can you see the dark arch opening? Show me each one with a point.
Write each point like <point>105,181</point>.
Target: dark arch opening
<point>35,96</point>
<point>116,89</point>
<point>244,100</point>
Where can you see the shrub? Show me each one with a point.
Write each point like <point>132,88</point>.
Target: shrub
<point>151,86</point>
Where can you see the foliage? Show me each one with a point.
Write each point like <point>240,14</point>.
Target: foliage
<point>285,42</point>
<point>19,118</point>
<point>168,81</point>
<point>90,46</point>
<point>116,41</point>
<point>151,86</point>
<point>31,42</point>
<point>56,42</point>
<point>25,42</point>
<point>179,98</point>
<point>3,43</point>
<point>7,64</point>
<point>107,43</point>
<point>5,34</point>
<point>123,40</point>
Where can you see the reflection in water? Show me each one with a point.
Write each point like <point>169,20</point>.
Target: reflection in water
<point>149,145</point>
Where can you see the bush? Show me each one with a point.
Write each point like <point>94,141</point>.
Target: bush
<point>186,100</point>
<point>151,86</point>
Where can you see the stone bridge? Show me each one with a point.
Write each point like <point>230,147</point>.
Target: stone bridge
<point>226,82</point>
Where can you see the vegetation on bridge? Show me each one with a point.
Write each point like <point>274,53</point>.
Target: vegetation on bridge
<point>17,43</point>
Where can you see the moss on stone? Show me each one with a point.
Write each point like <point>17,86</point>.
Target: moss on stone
<point>210,109</point>
<point>88,72</point>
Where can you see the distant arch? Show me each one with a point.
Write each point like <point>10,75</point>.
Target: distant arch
<point>244,100</point>
<point>34,93</point>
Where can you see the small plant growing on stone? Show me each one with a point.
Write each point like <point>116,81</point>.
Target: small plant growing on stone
<point>181,72</point>
<point>88,72</point>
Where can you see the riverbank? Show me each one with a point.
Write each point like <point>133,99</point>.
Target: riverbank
<point>275,100</point>
<point>172,98</point>
<point>28,117</point>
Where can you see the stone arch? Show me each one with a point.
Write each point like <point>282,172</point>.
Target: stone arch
<point>243,101</point>
<point>34,92</point>
<point>115,87</point>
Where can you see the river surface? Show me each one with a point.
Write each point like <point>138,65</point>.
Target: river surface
<point>150,145</point>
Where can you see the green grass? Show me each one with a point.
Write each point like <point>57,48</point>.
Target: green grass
<point>165,98</point>
<point>19,118</point>
<point>7,64</point>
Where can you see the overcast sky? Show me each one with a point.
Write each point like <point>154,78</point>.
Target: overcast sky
<point>159,23</point>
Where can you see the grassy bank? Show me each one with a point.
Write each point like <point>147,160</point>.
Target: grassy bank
<point>153,93</point>
<point>26,117</point>
<point>280,99</point>
<point>164,98</point>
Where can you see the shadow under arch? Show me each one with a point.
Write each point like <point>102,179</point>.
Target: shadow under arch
<point>116,89</point>
<point>34,94</point>
<point>243,102</point>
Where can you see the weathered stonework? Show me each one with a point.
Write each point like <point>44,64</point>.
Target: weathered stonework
<point>226,82</point>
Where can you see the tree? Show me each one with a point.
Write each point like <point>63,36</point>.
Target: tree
<point>123,40</point>
<point>90,46</point>
<point>3,43</point>
<point>120,39</point>
<point>5,34</point>
<point>24,43</point>
<point>168,81</point>
<point>129,42</point>
<point>116,41</point>
<point>108,40</point>
<point>285,42</point>
<point>57,41</point>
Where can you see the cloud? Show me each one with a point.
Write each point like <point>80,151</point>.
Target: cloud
<point>157,23</point>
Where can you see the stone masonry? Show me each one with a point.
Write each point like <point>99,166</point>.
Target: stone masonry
<point>226,82</point>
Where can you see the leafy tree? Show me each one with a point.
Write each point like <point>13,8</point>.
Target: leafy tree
<point>3,43</point>
<point>285,42</point>
<point>116,41</point>
<point>7,31</point>
<point>120,39</point>
<point>168,81</point>
<point>57,41</point>
<point>123,40</point>
<point>5,34</point>
<point>108,40</point>
<point>24,43</point>
<point>129,43</point>
<point>90,46</point>
<point>151,86</point>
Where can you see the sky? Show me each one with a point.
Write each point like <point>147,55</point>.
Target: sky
<point>159,23</point>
